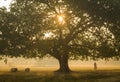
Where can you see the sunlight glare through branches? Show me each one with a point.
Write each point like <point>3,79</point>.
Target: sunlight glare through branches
<point>60,19</point>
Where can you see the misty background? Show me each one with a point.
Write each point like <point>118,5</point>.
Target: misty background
<point>51,62</point>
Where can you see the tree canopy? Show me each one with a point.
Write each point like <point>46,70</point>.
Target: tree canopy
<point>63,29</point>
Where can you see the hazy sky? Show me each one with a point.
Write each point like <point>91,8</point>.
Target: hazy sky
<point>5,3</point>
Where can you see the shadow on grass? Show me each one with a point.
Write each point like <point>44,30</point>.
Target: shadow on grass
<point>92,76</point>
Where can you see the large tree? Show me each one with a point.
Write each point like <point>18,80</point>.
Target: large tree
<point>63,29</point>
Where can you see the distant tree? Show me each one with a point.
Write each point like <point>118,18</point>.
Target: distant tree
<point>63,29</point>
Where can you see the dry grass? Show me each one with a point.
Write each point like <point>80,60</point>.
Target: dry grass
<point>47,75</point>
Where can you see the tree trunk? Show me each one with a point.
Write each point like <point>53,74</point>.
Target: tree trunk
<point>63,62</point>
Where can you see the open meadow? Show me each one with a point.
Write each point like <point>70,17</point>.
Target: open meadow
<point>48,75</point>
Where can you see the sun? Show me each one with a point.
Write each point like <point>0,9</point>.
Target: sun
<point>61,19</point>
<point>47,35</point>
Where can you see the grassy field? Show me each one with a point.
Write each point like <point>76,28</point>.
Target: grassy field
<point>50,76</point>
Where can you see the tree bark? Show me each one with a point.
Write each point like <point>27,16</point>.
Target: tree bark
<point>63,62</point>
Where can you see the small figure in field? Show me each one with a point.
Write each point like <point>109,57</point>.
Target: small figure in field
<point>95,66</point>
<point>5,61</point>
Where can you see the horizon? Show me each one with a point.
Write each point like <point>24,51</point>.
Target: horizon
<point>52,62</point>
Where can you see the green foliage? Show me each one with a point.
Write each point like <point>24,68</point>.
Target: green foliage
<point>89,30</point>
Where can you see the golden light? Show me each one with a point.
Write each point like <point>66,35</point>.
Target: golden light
<point>47,35</point>
<point>60,19</point>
